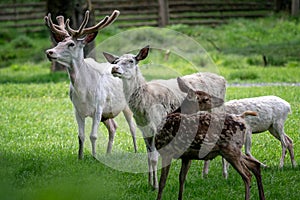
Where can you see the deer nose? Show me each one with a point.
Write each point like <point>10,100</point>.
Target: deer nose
<point>49,52</point>
<point>115,69</point>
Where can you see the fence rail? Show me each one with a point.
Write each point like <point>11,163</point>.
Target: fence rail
<point>29,16</point>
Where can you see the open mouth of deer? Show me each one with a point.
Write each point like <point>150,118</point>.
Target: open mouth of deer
<point>50,58</point>
<point>117,74</point>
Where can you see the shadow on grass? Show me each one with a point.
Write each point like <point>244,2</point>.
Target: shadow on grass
<point>56,177</point>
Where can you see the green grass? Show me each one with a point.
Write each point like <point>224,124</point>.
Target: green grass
<point>260,74</point>
<point>38,154</point>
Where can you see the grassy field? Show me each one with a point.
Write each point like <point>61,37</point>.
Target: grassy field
<point>38,154</point>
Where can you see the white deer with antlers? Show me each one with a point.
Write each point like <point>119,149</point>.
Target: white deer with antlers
<point>94,92</point>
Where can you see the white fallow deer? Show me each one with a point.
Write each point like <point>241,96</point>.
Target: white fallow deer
<point>94,92</point>
<point>273,112</point>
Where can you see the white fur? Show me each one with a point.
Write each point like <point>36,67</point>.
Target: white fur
<point>94,92</point>
<point>272,114</point>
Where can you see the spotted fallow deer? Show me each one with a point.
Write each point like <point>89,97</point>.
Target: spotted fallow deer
<point>94,92</point>
<point>191,135</point>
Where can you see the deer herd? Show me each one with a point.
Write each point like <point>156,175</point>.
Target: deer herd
<point>184,118</point>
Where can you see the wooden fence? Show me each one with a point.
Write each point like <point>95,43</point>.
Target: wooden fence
<point>29,16</point>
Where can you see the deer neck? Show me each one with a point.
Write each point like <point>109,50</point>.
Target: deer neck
<point>75,68</point>
<point>134,86</point>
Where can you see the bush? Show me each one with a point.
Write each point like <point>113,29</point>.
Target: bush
<point>255,61</point>
<point>6,36</point>
<point>22,42</point>
<point>292,64</point>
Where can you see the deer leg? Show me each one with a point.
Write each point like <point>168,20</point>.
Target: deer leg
<point>152,168</point>
<point>277,131</point>
<point>245,174</point>
<point>94,131</point>
<point>129,118</point>
<point>225,166</point>
<point>205,168</point>
<point>148,142</point>
<point>166,164</point>
<point>248,141</point>
<point>185,166</point>
<point>148,134</point>
<point>154,162</point>
<point>150,174</point>
<point>81,137</point>
<point>291,150</point>
<point>254,166</point>
<point>115,125</point>
<point>248,144</point>
<point>111,127</point>
<point>233,156</point>
<point>283,153</point>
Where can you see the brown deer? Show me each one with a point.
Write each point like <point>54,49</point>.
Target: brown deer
<point>203,136</point>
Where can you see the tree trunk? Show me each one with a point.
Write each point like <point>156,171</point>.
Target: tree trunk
<point>163,13</point>
<point>75,10</point>
<point>295,8</point>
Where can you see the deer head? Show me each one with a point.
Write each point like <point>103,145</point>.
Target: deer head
<point>197,100</point>
<point>70,42</point>
<point>126,66</point>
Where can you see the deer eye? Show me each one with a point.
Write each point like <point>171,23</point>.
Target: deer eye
<point>131,61</point>
<point>115,61</point>
<point>71,44</point>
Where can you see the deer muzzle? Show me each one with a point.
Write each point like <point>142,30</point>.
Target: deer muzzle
<point>116,71</point>
<point>50,54</point>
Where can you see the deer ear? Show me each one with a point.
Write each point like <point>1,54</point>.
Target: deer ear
<point>90,37</point>
<point>110,58</point>
<point>182,85</point>
<point>142,54</point>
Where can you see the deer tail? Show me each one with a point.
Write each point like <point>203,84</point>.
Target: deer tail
<point>248,112</point>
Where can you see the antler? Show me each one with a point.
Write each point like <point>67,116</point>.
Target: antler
<point>82,31</point>
<point>59,30</point>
